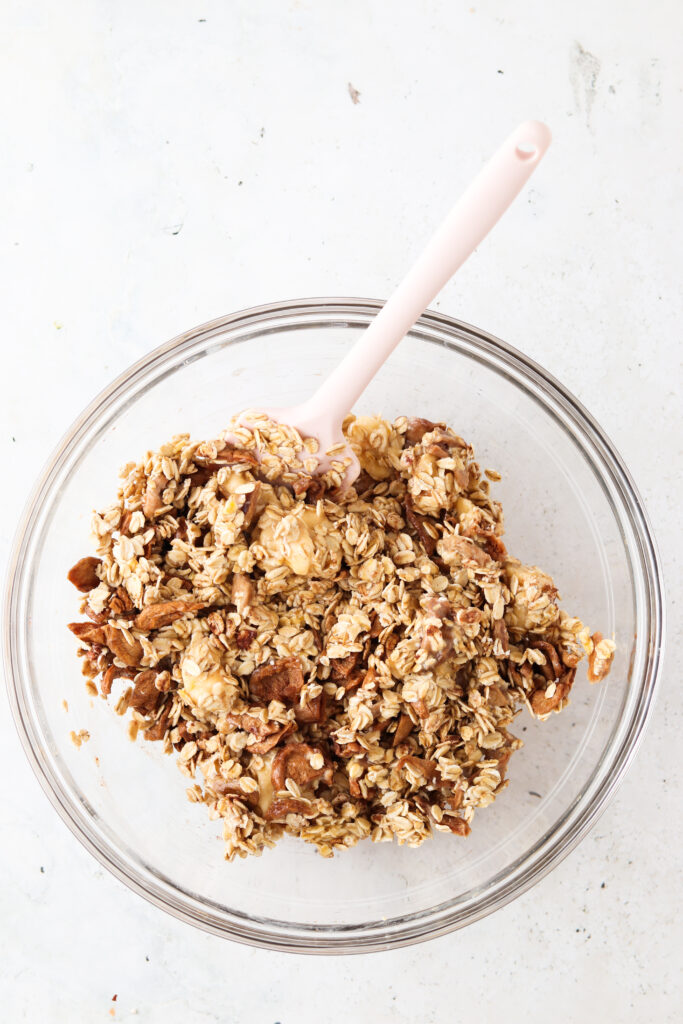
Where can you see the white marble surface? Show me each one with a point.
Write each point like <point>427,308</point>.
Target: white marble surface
<point>166,162</point>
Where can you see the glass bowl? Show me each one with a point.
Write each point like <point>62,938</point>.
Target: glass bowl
<point>570,507</point>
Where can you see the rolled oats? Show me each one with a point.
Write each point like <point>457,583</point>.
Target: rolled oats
<point>332,666</point>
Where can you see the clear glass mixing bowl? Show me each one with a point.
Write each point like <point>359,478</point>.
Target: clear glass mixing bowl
<point>570,506</point>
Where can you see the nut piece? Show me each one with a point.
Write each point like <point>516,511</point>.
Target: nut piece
<point>226,455</point>
<point>417,428</point>
<point>88,632</point>
<point>152,501</point>
<point>145,697</point>
<point>314,711</point>
<point>263,746</point>
<point>283,806</point>
<point>500,634</point>
<point>403,729</point>
<point>154,616</point>
<point>600,658</point>
<point>232,788</point>
<point>83,574</point>
<point>294,762</point>
<point>242,593</point>
<point>112,673</point>
<point>158,730</point>
<point>553,668</point>
<point>129,652</point>
<point>458,826</point>
<point>342,668</point>
<point>459,551</point>
<point>282,680</point>
<point>542,703</point>
<point>419,525</point>
<point>420,765</point>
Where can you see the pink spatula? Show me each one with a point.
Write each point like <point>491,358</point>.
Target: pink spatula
<point>470,220</point>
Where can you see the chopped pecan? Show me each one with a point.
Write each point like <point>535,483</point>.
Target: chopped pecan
<point>363,483</point>
<point>164,683</point>
<point>458,826</point>
<point>444,438</point>
<point>390,644</point>
<point>253,725</point>
<point>301,484</point>
<point>158,730</point>
<point>112,673</point>
<point>95,660</point>
<point>502,756</point>
<point>494,547</point>
<point>98,617</point>
<point>179,581</point>
<point>341,668</point>
<point>283,806</point>
<point>599,660</point>
<point>417,428</point>
<point>421,708</point>
<point>468,616</point>
<point>403,729</point>
<point>120,604</point>
<point>154,616</point>
<point>354,787</point>
<point>454,801</point>
<point>184,734</point>
<point>230,455</point>
<point>227,455</point>
<point>456,550</point>
<point>428,769</point>
<point>420,525</point>
<point>89,632</point>
<point>553,669</point>
<point>232,788</point>
<point>437,637</point>
<point>351,682</point>
<point>83,574</point>
<point>500,633</point>
<point>313,712</point>
<point>497,696</point>
<point>281,680</point>
<point>128,651</point>
<point>370,679</point>
<point>263,746</point>
<point>242,593</point>
<point>315,491</point>
<point>251,505</point>
<point>152,500</point>
<point>312,488</point>
<point>245,638</point>
<point>145,697</point>
<point>216,622</point>
<point>293,762</point>
<point>542,705</point>
<point>202,475</point>
<point>124,524</point>
<point>346,750</point>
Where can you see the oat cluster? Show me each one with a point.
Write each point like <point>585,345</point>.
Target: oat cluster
<point>329,664</point>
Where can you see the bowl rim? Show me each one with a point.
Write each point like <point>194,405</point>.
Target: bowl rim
<point>445,917</point>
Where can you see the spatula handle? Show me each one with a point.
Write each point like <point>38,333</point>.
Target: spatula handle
<point>470,220</point>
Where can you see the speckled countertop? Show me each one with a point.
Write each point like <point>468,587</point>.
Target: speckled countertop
<point>166,162</point>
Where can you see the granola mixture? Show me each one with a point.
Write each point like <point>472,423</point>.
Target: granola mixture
<point>329,665</point>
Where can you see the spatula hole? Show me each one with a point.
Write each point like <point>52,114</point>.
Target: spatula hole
<point>525,150</point>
